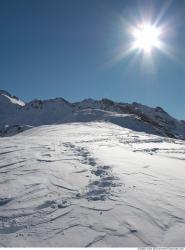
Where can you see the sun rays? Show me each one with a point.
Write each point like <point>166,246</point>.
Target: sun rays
<point>146,37</point>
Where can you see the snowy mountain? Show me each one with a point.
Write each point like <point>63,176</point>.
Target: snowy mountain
<point>16,116</point>
<point>156,118</point>
<point>92,184</point>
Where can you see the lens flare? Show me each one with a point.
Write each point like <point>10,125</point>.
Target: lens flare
<point>143,37</point>
<point>146,37</point>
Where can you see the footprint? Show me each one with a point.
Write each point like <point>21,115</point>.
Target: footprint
<point>5,200</point>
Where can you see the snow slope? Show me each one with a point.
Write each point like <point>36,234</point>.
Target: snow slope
<point>91,184</point>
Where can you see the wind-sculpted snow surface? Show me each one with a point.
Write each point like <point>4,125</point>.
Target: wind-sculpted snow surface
<point>91,184</point>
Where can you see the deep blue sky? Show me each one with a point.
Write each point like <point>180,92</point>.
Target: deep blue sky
<point>52,48</point>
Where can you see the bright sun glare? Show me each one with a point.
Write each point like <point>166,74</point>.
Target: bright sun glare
<point>146,37</point>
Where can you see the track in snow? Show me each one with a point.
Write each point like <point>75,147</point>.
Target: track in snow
<point>91,184</point>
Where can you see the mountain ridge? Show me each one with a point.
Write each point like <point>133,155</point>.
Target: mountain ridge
<point>14,113</point>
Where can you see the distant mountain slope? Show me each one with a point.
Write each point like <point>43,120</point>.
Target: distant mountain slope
<point>135,116</point>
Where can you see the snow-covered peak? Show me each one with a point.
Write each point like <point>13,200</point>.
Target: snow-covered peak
<point>9,106</point>
<point>15,100</point>
<point>7,97</point>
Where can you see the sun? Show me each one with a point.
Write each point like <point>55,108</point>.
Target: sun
<point>146,37</point>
